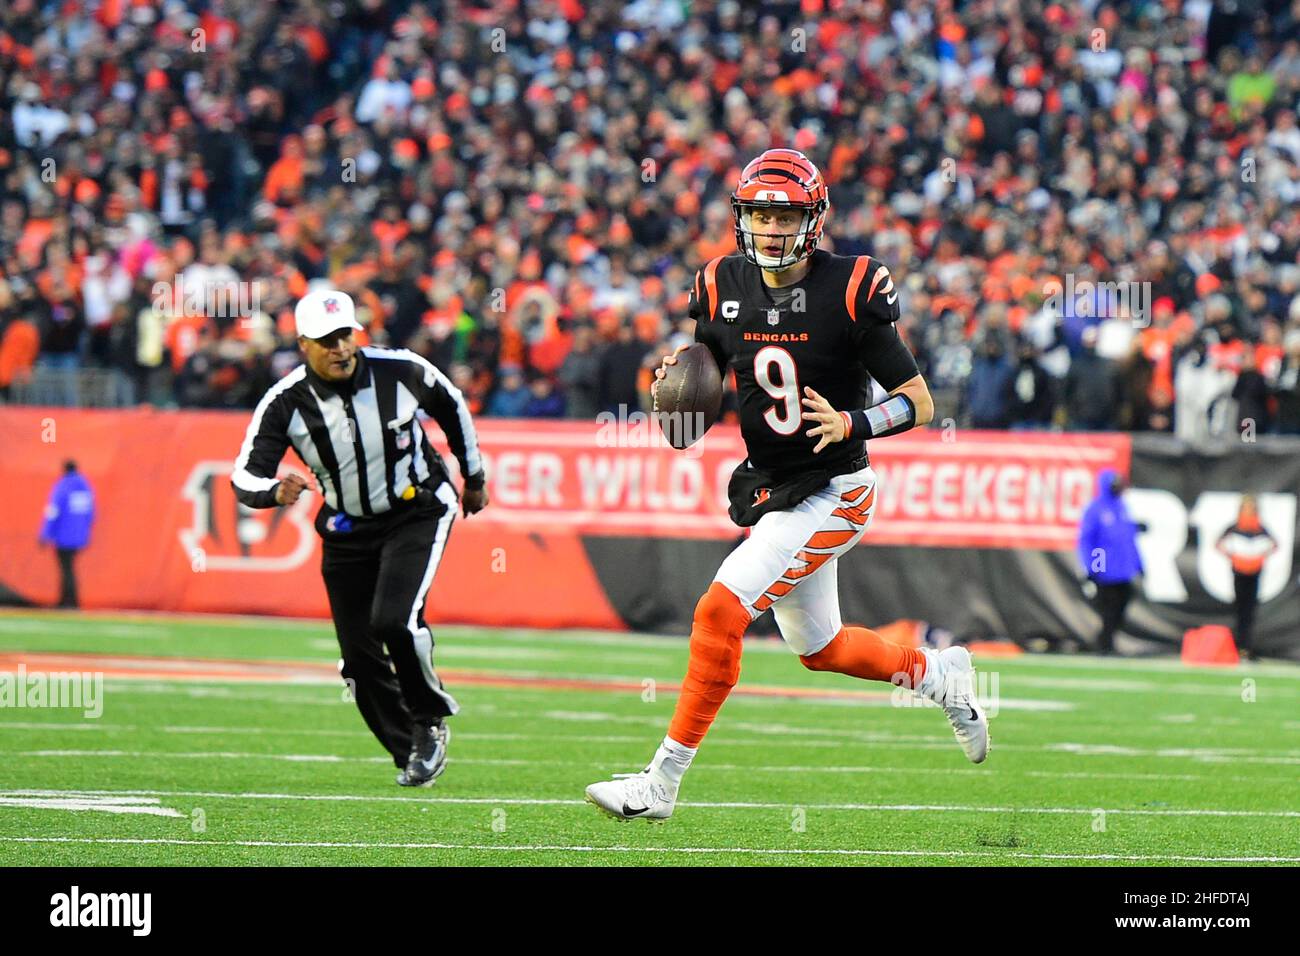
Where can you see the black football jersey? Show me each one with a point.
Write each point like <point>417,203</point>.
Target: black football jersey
<point>833,331</point>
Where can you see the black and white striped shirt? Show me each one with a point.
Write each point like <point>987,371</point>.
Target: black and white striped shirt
<point>361,438</point>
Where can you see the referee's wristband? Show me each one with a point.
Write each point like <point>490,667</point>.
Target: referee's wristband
<point>476,481</point>
<point>895,414</point>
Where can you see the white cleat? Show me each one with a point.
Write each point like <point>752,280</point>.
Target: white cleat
<point>635,796</point>
<point>950,682</point>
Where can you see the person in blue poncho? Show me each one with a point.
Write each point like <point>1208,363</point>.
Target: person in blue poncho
<point>1108,555</point>
<point>68,520</point>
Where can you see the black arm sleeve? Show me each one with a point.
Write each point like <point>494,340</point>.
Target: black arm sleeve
<point>445,403</point>
<point>874,329</point>
<point>889,361</point>
<point>265,443</point>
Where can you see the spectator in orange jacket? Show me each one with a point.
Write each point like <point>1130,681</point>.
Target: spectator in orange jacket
<point>19,346</point>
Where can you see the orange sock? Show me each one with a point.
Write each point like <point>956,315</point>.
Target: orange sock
<point>717,634</point>
<point>861,653</point>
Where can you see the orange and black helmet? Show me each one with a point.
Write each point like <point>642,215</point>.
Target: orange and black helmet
<point>780,179</point>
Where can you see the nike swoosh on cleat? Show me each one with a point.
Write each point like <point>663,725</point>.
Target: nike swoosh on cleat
<point>973,715</point>
<point>630,812</point>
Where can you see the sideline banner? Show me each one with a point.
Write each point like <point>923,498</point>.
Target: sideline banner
<point>170,534</point>
<point>969,489</point>
<point>600,524</point>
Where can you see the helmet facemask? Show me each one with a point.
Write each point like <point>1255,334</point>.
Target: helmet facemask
<point>751,237</point>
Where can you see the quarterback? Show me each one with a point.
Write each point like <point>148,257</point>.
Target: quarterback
<point>805,332</point>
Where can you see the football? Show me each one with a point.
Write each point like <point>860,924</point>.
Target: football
<point>689,397</point>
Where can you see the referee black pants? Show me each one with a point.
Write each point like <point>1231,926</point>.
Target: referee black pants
<point>377,572</point>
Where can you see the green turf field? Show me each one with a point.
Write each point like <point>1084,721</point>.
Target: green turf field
<point>1093,762</point>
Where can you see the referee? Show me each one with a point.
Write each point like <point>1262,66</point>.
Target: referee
<point>351,415</point>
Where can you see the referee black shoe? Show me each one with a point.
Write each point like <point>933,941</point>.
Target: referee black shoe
<point>428,755</point>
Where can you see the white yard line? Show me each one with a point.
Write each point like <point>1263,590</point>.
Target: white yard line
<point>602,764</point>
<point>919,742</point>
<point>262,731</point>
<point>62,725</point>
<point>1195,753</point>
<point>122,728</point>
<point>94,803</point>
<point>711,805</point>
<point>668,644</point>
<point>941,771</point>
<point>449,652</point>
<point>163,756</point>
<point>217,686</point>
<point>687,850</point>
<point>825,738</point>
<point>235,690</point>
<point>1153,665</point>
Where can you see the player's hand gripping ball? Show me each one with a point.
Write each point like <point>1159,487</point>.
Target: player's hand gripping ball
<point>687,394</point>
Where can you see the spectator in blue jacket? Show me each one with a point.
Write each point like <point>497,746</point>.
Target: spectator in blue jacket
<point>545,402</point>
<point>68,518</point>
<point>512,395</point>
<point>1109,555</point>
<point>988,390</point>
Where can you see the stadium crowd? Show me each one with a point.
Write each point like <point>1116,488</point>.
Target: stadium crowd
<point>522,191</point>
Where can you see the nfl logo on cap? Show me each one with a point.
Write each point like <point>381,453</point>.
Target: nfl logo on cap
<point>324,311</point>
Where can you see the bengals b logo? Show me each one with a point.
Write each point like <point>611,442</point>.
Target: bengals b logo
<point>231,537</point>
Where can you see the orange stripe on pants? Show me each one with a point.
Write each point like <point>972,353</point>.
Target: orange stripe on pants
<point>813,560</point>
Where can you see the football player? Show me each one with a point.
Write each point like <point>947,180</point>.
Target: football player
<point>805,331</point>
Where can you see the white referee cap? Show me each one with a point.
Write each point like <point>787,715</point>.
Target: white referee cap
<point>321,312</point>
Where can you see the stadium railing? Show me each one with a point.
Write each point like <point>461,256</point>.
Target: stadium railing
<point>77,388</point>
